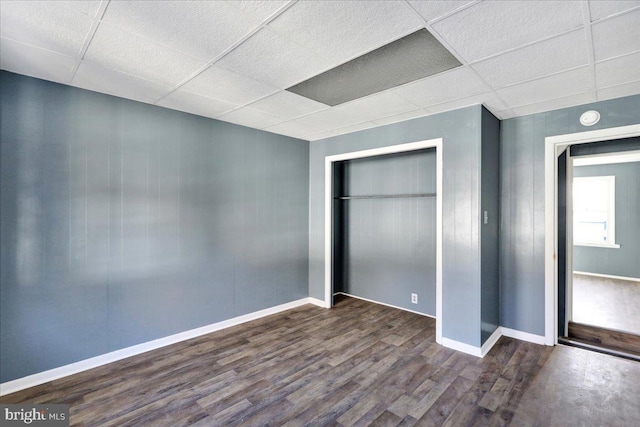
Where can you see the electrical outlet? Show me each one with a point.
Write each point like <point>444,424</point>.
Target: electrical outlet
<point>414,298</point>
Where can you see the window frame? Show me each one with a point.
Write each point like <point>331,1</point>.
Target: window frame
<point>611,212</point>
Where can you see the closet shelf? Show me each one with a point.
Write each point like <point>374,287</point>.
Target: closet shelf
<point>386,196</point>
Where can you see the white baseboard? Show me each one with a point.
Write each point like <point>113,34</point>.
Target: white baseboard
<point>607,276</point>
<point>385,304</point>
<point>94,362</point>
<point>460,346</point>
<point>318,302</point>
<point>522,336</point>
<point>493,339</point>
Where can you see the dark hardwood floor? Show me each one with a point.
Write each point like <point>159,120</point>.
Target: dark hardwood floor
<point>356,364</point>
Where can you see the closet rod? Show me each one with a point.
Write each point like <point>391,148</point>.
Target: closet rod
<point>386,196</point>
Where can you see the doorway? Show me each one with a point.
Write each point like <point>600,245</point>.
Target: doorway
<point>599,245</point>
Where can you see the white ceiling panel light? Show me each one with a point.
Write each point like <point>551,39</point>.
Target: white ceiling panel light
<point>35,62</point>
<point>551,56</point>
<point>116,49</point>
<point>489,28</point>
<point>448,86</point>
<point>99,79</point>
<point>410,58</point>
<point>616,36</point>
<point>347,31</point>
<point>196,104</point>
<point>203,29</point>
<point>225,85</point>
<point>48,25</point>
<point>270,58</point>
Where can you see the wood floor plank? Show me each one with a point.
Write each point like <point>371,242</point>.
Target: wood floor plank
<point>358,364</point>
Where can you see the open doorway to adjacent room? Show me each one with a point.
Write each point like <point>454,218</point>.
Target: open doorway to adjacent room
<point>603,244</point>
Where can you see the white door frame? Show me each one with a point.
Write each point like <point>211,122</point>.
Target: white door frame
<point>554,146</point>
<point>328,214</point>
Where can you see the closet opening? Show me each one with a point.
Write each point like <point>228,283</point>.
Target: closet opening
<point>383,229</point>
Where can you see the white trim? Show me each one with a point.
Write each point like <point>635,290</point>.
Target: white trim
<point>608,276</point>
<point>328,216</point>
<point>596,245</point>
<point>385,304</point>
<point>523,336</point>
<point>552,144</point>
<point>607,158</point>
<point>460,346</point>
<point>94,362</point>
<point>318,302</point>
<point>491,341</point>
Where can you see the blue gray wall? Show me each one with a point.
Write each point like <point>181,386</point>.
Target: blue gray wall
<point>490,203</point>
<point>522,202</point>
<point>460,131</point>
<point>389,244</point>
<point>625,260</point>
<point>123,222</point>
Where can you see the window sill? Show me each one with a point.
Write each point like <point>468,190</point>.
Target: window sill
<point>598,245</point>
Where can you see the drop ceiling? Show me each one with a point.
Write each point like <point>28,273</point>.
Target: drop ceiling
<point>234,60</point>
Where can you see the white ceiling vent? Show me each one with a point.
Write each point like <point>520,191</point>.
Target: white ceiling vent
<point>410,58</point>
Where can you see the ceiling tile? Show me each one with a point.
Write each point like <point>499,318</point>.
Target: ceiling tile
<point>293,128</point>
<point>627,89</point>
<point>288,105</point>
<point>616,36</point>
<point>32,61</point>
<point>551,56</point>
<point>99,79</point>
<point>347,31</point>
<point>47,25</point>
<point>327,120</point>
<point>253,118</point>
<point>225,85</point>
<point>555,86</point>
<point>505,114</point>
<point>86,7</point>
<point>432,10</point>
<point>377,106</point>
<point>342,131</point>
<point>555,104</point>
<point>489,100</point>
<point>617,71</point>
<point>114,48</point>
<point>401,117</point>
<point>489,28</point>
<point>271,58</point>
<point>602,9</point>
<point>259,9</point>
<point>196,104</point>
<point>203,29</point>
<point>448,86</point>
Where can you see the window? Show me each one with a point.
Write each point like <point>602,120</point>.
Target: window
<point>594,211</point>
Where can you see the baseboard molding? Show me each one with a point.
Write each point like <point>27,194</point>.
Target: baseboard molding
<point>522,336</point>
<point>460,346</point>
<point>493,339</point>
<point>607,276</point>
<point>94,362</point>
<point>318,302</point>
<point>385,304</point>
